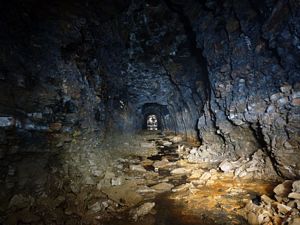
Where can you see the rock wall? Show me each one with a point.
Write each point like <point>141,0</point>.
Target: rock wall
<point>76,73</point>
<point>251,49</point>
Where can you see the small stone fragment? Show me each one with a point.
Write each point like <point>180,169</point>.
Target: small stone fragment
<point>296,186</point>
<point>142,210</point>
<point>294,195</point>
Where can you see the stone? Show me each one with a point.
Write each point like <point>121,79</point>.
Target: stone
<point>283,209</point>
<point>167,143</point>
<point>282,101</point>
<point>88,180</point>
<point>296,94</point>
<point>205,176</point>
<point>296,186</point>
<point>296,102</point>
<point>147,144</point>
<point>226,166</point>
<point>55,126</point>
<point>96,207</point>
<point>180,171</point>
<point>116,181</point>
<point>176,139</point>
<point>19,202</point>
<point>7,121</point>
<point>162,187</point>
<point>266,199</point>
<point>161,164</point>
<point>286,88</point>
<point>58,201</point>
<point>142,210</point>
<point>294,195</point>
<point>196,174</point>
<point>182,187</point>
<point>145,189</point>
<point>284,188</point>
<point>124,194</point>
<point>252,218</point>
<point>275,97</point>
<point>294,221</point>
<point>138,168</point>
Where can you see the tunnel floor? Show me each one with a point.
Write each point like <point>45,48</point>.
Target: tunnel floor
<point>166,189</point>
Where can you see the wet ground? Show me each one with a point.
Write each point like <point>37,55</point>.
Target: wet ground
<point>208,197</point>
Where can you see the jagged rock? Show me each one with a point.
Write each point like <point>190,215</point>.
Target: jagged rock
<point>182,187</point>
<point>162,187</point>
<point>167,143</point>
<point>124,194</point>
<point>252,218</point>
<point>284,188</point>
<point>96,207</point>
<point>176,139</point>
<point>142,210</point>
<point>286,88</point>
<point>295,221</point>
<point>226,166</point>
<point>205,176</point>
<point>7,121</point>
<point>161,164</point>
<point>147,144</point>
<point>266,199</point>
<point>145,189</point>
<point>283,209</point>
<point>138,168</point>
<point>116,181</point>
<point>181,171</point>
<point>196,174</point>
<point>20,202</point>
<point>55,126</point>
<point>294,195</point>
<point>296,186</point>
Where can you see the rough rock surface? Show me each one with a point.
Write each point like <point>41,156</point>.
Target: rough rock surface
<point>79,78</point>
<point>280,211</point>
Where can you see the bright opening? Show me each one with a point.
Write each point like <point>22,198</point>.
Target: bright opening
<point>152,123</point>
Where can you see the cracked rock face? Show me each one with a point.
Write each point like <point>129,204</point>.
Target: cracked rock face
<point>251,50</point>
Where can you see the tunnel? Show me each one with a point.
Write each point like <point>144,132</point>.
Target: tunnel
<point>150,112</point>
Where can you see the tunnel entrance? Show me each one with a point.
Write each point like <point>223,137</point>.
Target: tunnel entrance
<point>152,122</point>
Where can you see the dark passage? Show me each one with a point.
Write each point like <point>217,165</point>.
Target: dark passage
<point>149,112</point>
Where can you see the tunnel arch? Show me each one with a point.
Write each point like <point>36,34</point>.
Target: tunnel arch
<point>161,113</point>
<point>152,122</point>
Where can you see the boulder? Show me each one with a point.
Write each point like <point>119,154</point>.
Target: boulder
<point>284,188</point>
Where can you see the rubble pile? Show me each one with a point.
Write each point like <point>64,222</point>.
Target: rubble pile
<point>283,208</point>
